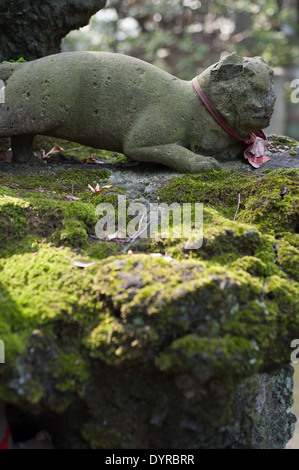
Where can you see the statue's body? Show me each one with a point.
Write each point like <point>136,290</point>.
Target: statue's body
<point>119,103</point>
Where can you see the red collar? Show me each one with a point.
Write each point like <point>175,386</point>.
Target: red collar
<point>4,443</point>
<point>256,141</point>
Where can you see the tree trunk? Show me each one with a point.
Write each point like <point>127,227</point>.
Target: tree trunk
<point>31,29</point>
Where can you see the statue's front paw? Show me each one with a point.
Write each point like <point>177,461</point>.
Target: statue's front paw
<point>205,164</point>
<point>214,163</point>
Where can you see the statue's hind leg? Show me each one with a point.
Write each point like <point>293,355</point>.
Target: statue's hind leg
<point>22,150</point>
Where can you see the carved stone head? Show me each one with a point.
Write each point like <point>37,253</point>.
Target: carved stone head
<point>241,89</point>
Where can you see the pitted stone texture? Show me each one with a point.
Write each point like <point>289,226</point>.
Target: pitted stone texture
<point>120,103</point>
<point>266,400</point>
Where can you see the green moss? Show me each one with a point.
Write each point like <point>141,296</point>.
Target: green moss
<point>129,337</point>
<point>71,370</point>
<point>218,189</point>
<point>101,250</point>
<point>100,437</point>
<point>80,151</point>
<point>64,222</point>
<point>292,238</point>
<point>57,183</point>
<point>252,265</point>
<point>73,234</point>
<point>224,242</point>
<point>270,201</point>
<point>283,139</point>
<point>210,357</point>
<point>14,223</point>
<point>106,198</point>
<point>42,271</point>
<point>207,317</point>
<point>273,203</point>
<point>288,258</point>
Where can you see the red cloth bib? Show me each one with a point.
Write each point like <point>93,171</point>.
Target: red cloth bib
<point>257,141</point>
<point>4,443</point>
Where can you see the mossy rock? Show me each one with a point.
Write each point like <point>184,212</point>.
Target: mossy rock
<point>270,200</point>
<point>169,338</point>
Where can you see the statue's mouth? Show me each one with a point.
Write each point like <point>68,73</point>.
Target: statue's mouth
<point>265,111</point>
<point>270,100</point>
<point>261,116</point>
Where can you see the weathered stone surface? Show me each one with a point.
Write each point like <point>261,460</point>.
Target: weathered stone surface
<point>266,400</point>
<point>195,344</point>
<point>120,103</point>
<point>32,29</point>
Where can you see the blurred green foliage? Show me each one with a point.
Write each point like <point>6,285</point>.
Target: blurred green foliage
<point>21,59</point>
<point>186,36</point>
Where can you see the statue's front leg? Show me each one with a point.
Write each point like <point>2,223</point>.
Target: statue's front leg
<point>174,156</point>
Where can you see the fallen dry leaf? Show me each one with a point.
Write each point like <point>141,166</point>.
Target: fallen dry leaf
<point>113,235</point>
<point>98,189</point>
<point>159,255</point>
<point>46,191</point>
<point>81,263</point>
<point>94,160</point>
<point>167,258</point>
<point>6,156</point>
<point>95,190</point>
<point>69,197</point>
<point>51,152</point>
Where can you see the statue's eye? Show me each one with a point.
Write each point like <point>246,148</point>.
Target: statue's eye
<point>215,66</point>
<point>254,107</point>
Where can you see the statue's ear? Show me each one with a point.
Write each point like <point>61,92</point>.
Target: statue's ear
<point>223,71</point>
<point>6,69</point>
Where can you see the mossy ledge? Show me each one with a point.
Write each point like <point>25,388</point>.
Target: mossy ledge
<point>184,341</point>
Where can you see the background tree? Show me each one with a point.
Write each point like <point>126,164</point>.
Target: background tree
<point>33,29</point>
<point>186,35</point>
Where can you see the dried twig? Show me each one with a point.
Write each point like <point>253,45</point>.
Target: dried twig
<point>72,150</point>
<point>137,233</point>
<point>239,200</point>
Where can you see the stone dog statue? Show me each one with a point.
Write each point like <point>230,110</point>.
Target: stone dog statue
<point>120,103</point>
